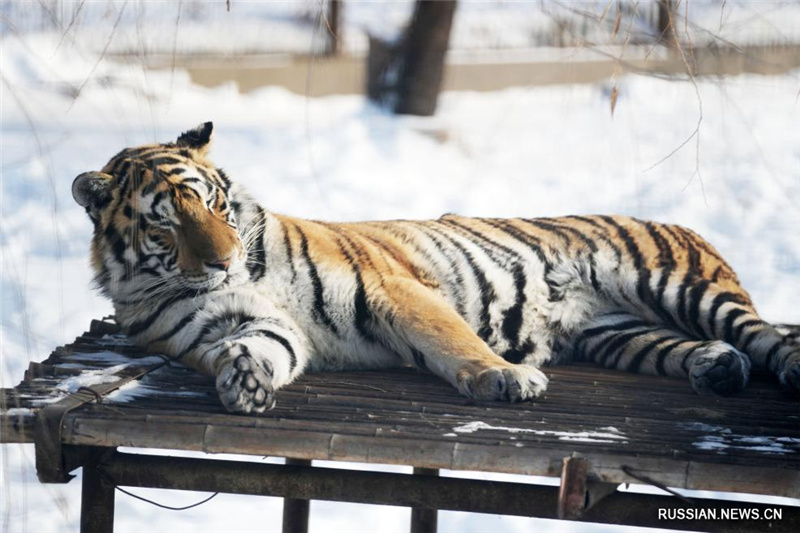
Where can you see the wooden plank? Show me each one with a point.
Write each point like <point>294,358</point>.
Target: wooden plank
<point>410,418</point>
<point>430,454</point>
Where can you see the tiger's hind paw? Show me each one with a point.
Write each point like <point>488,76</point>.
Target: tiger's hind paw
<point>512,384</point>
<point>719,369</point>
<point>244,385</point>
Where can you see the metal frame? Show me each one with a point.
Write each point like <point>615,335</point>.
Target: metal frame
<point>424,491</point>
<point>296,511</point>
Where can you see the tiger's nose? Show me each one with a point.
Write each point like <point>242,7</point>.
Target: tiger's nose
<point>222,264</point>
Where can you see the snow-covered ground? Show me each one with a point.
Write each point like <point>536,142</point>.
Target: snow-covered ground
<point>152,27</point>
<point>527,151</point>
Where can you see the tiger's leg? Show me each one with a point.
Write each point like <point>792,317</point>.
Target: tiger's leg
<point>429,333</point>
<point>768,347</point>
<point>250,352</point>
<point>626,342</point>
<point>259,358</point>
<point>710,312</point>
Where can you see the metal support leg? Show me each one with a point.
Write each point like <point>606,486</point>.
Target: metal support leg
<point>572,494</point>
<point>580,489</point>
<point>97,501</point>
<point>424,520</point>
<point>295,512</point>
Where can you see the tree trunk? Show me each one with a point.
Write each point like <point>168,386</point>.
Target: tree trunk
<point>407,77</point>
<point>334,27</point>
<point>666,28</point>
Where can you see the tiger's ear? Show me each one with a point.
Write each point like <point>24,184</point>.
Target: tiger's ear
<point>92,190</point>
<point>198,138</point>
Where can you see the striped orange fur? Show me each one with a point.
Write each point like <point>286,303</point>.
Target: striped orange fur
<point>197,269</point>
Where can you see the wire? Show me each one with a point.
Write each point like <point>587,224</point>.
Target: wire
<point>650,481</point>
<point>132,495</point>
<point>110,480</point>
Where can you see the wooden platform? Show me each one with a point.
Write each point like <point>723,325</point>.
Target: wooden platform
<point>627,427</point>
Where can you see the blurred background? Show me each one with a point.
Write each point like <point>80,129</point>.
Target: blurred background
<point>674,110</point>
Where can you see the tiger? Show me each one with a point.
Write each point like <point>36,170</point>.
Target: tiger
<point>198,270</point>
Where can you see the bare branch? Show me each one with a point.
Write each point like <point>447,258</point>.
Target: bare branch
<point>102,55</point>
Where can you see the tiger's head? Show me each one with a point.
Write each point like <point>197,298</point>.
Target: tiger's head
<point>163,220</point>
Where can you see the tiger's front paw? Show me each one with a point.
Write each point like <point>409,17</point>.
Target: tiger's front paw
<point>511,384</point>
<point>245,384</point>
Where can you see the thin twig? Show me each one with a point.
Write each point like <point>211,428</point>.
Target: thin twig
<point>307,111</point>
<point>71,23</point>
<point>102,56</point>
<point>174,52</point>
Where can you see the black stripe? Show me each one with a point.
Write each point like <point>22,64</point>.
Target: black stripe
<point>177,327</point>
<point>475,233</point>
<point>207,327</point>
<point>772,352</point>
<point>720,300</point>
<point>580,235</point>
<point>518,354</point>
<point>513,316</point>
<point>598,348</point>
<point>705,247</point>
<point>225,179</point>
<point>665,255</point>
<point>593,248</point>
<point>320,312</point>
<point>419,359</point>
<point>691,274</point>
<point>166,160</point>
<point>287,243</point>
<point>533,243</point>
<point>518,234</point>
<point>615,347</point>
<point>602,234</point>
<point>694,255</point>
<point>750,338</point>
<point>695,299</point>
<point>363,319</point>
<point>362,257</point>
<point>666,262</point>
<point>681,304</point>
<point>116,242</point>
<point>685,359</point>
<point>487,292</point>
<point>593,274</point>
<point>256,262</point>
<point>587,220</point>
<point>387,253</point>
<point>638,358</point>
<point>457,286</point>
<point>185,188</point>
<point>643,290</point>
<point>666,273</point>
<point>737,333</point>
<point>280,340</point>
<point>550,228</point>
<point>628,241</point>
<point>142,325</point>
<point>605,328</point>
<point>730,318</point>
